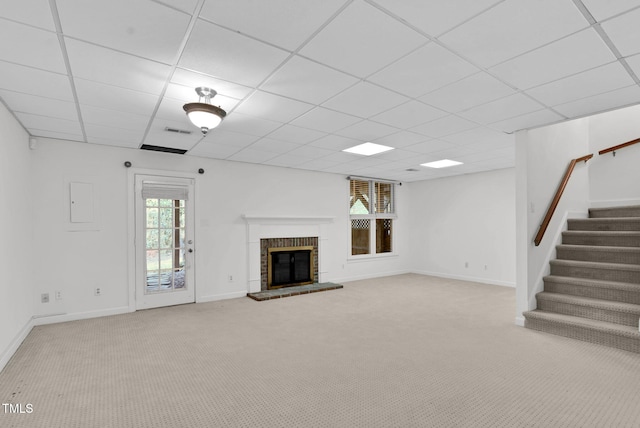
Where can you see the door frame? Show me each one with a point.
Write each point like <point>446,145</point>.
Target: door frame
<point>132,174</point>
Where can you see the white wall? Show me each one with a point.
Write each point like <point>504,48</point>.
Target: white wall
<point>542,158</point>
<point>76,262</point>
<point>17,260</point>
<point>464,227</point>
<point>613,180</point>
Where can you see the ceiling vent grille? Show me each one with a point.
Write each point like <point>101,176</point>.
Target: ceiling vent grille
<point>162,149</point>
<point>177,131</point>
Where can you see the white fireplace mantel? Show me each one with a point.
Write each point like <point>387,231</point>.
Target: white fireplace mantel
<point>268,226</point>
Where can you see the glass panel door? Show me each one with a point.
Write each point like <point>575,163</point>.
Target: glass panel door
<point>165,245</point>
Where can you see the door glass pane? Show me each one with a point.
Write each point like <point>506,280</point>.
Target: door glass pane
<point>165,240</point>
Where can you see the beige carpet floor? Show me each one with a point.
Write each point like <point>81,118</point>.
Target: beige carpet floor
<point>402,351</point>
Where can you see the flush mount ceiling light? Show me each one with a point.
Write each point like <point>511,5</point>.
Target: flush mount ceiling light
<point>444,163</point>
<point>202,114</point>
<point>368,149</point>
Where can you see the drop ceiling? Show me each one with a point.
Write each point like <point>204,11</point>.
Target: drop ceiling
<point>303,80</point>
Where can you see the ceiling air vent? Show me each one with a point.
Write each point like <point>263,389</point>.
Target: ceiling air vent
<point>177,131</point>
<point>162,149</point>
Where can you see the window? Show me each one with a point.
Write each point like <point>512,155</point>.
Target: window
<point>372,212</point>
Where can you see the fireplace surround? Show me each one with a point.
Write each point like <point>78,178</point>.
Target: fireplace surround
<point>284,249</point>
<point>261,227</point>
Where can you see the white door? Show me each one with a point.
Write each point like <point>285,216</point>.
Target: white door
<point>164,241</point>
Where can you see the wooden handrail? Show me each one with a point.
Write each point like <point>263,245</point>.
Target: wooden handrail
<point>556,198</point>
<point>619,146</point>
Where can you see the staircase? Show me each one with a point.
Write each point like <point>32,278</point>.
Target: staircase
<point>593,291</point>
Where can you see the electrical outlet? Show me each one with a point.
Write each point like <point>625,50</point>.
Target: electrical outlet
<point>230,278</point>
<point>98,292</point>
<point>58,295</point>
<point>44,297</point>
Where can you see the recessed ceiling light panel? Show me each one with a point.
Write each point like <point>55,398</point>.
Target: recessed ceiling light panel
<point>368,149</point>
<point>444,163</point>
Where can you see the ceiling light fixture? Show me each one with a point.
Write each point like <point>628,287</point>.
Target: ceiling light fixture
<point>368,149</point>
<point>444,163</point>
<point>202,114</point>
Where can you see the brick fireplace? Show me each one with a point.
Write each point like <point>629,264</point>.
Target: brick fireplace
<point>284,231</point>
<point>288,246</point>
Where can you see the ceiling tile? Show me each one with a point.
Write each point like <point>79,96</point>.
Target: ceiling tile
<point>208,149</point>
<point>445,126</point>
<point>592,82</point>
<point>192,79</point>
<point>252,155</point>
<point>311,152</point>
<point>32,81</point>
<point>31,12</point>
<point>24,103</point>
<point>114,98</point>
<point>634,63</point>
<point>409,114</point>
<point>365,100</point>
<point>504,108</point>
<point>187,6</point>
<point>158,36</point>
<point>573,54</point>
<point>401,139</point>
<point>485,137</point>
<point>526,121</point>
<point>325,120</point>
<point>435,17</point>
<point>237,59</point>
<point>274,146</point>
<point>99,133</point>
<point>286,23</point>
<point>429,146</point>
<point>30,46</point>
<point>367,131</point>
<point>114,118</point>
<point>241,123</point>
<point>45,123</point>
<point>272,107</point>
<point>98,64</point>
<point>479,88</point>
<point>317,164</point>
<point>307,81</point>
<point>624,32</point>
<point>235,139</point>
<point>602,102</point>
<point>423,70</point>
<point>605,9</point>
<point>114,143</point>
<point>367,38</point>
<point>286,160</point>
<point>295,134</point>
<point>335,142</point>
<point>158,136</point>
<point>397,155</point>
<point>56,135</point>
<point>527,24</point>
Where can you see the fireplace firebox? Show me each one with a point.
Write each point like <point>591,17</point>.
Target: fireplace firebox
<point>289,266</point>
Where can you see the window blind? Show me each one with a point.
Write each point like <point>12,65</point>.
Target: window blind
<point>164,191</point>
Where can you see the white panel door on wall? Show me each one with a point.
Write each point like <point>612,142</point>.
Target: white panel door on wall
<point>164,241</point>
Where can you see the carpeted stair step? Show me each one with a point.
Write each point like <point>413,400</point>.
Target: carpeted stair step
<point>628,211</point>
<point>593,270</point>
<point>605,238</point>
<point>619,223</point>
<point>599,253</point>
<point>596,289</point>
<point>586,307</point>
<point>585,329</point>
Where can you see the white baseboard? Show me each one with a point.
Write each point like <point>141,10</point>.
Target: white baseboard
<point>216,297</point>
<point>467,278</point>
<point>614,203</point>
<point>56,318</point>
<point>15,344</point>
<point>366,276</point>
<point>520,321</point>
